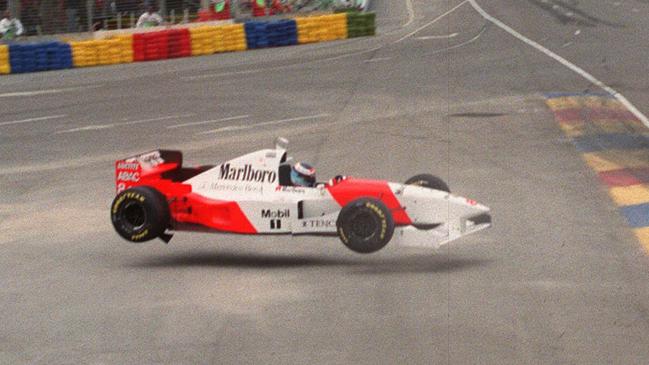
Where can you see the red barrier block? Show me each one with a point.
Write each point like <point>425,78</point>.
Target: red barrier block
<point>138,47</point>
<point>179,43</point>
<point>155,45</point>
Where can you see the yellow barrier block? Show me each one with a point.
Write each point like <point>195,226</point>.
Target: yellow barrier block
<point>213,39</point>
<point>617,159</point>
<point>5,66</point>
<point>630,195</point>
<point>643,237</point>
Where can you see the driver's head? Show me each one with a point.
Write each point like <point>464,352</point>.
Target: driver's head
<point>303,174</point>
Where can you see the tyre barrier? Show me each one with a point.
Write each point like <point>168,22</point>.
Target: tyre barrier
<point>275,33</point>
<point>321,28</point>
<point>184,42</point>
<point>360,24</point>
<point>215,39</point>
<point>5,66</point>
<point>39,57</point>
<point>110,51</point>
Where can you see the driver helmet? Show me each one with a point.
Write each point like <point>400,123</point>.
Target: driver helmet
<point>303,174</point>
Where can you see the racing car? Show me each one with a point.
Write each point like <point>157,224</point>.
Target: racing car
<point>254,194</point>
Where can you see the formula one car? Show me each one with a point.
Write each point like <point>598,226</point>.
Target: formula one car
<point>253,194</point>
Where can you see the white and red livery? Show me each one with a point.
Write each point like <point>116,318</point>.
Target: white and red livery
<point>253,194</point>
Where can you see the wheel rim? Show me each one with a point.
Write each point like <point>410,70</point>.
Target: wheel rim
<point>134,215</point>
<point>363,225</point>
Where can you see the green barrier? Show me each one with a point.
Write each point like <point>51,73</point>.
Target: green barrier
<point>360,24</point>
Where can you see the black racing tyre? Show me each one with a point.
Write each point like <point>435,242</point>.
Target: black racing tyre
<point>365,225</point>
<point>428,181</point>
<point>140,214</point>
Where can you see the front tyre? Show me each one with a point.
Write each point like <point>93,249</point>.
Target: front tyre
<point>140,214</point>
<point>428,181</point>
<point>365,225</point>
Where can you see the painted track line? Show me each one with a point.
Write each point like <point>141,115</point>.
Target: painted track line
<point>167,117</point>
<point>411,13</point>
<point>208,121</point>
<point>430,23</point>
<point>273,122</point>
<point>578,70</point>
<point>47,92</point>
<point>37,119</point>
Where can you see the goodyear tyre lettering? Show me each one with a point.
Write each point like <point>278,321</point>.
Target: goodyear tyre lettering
<point>365,225</point>
<point>139,236</point>
<point>140,214</point>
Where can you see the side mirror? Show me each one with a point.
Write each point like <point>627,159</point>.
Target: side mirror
<point>281,143</point>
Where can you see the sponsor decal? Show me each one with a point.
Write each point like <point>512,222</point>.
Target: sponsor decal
<point>128,176</point>
<point>290,189</point>
<point>275,224</point>
<point>240,188</point>
<point>318,223</point>
<point>279,213</point>
<point>247,173</point>
<point>124,165</point>
<point>146,161</point>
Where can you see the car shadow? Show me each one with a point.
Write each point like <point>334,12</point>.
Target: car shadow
<point>424,264</point>
<point>361,265</point>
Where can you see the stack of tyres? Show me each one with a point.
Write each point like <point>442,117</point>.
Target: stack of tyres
<point>126,46</point>
<point>5,66</point>
<point>22,58</point>
<point>333,27</point>
<point>178,43</point>
<point>321,28</point>
<point>256,34</point>
<point>58,55</point>
<point>203,40</point>
<point>232,38</point>
<point>84,53</point>
<point>150,46</point>
<point>139,43</point>
<point>282,33</point>
<point>360,24</point>
<point>156,46</point>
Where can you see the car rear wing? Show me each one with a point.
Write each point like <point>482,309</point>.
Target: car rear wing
<point>139,169</point>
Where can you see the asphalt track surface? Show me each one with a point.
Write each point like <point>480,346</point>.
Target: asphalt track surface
<point>559,279</point>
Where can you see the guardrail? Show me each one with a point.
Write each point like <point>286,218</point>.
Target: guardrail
<point>183,42</point>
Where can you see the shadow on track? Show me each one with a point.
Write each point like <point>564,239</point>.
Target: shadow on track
<point>363,265</point>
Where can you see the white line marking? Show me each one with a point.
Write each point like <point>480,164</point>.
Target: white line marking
<point>281,121</point>
<point>411,13</point>
<point>430,23</point>
<point>33,119</point>
<point>208,121</point>
<point>581,72</point>
<point>273,122</point>
<point>46,92</point>
<point>209,76</point>
<point>157,119</point>
<point>447,36</point>
<point>87,128</point>
<point>379,59</point>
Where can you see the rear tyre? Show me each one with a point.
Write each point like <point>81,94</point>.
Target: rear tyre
<point>428,181</point>
<point>365,225</point>
<point>140,214</point>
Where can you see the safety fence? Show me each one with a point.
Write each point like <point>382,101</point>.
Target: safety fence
<point>183,42</point>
